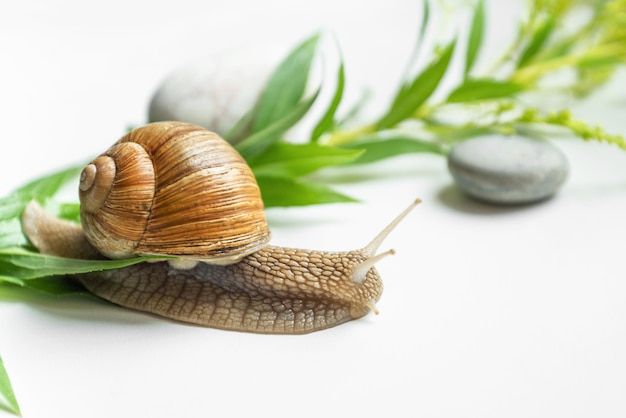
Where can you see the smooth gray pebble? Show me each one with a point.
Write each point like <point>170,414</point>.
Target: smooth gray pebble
<point>508,169</point>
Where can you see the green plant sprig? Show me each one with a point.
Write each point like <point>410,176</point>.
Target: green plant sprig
<point>494,102</point>
<point>501,97</point>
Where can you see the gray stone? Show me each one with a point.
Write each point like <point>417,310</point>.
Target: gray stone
<point>508,169</point>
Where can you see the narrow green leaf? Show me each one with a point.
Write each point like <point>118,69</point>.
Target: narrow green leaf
<point>484,89</point>
<point>6,390</point>
<point>423,25</point>
<point>286,86</point>
<point>10,272</point>
<point>283,191</point>
<point>47,186</point>
<point>11,279</point>
<point>356,108</point>
<point>69,211</point>
<point>592,62</point>
<point>27,265</point>
<point>419,91</point>
<point>377,149</point>
<point>11,206</point>
<point>56,286</point>
<point>540,36</point>
<point>560,48</point>
<point>242,128</point>
<point>453,133</point>
<point>424,21</point>
<point>283,159</point>
<point>327,121</point>
<point>52,285</point>
<point>259,141</point>
<point>475,39</point>
<point>11,234</point>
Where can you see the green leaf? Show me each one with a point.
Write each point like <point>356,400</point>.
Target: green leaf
<point>283,159</point>
<point>560,48</point>
<point>475,39</point>
<point>327,121</point>
<point>69,211</point>
<point>424,22</point>
<point>417,47</point>
<point>42,190</point>
<point>286,86</point>
<point>56,286</point>
<point>11,206</point>
<point>540,36</point>
<point>259,141</point>
<point>456,133</point>
<point>410,99</point>
<point>356,108</point>
<point>6,390</point>
<point>11,279</point>
<point>25,264</point>
<point>594,62</point>
<point>11,234</point>
<point>484,89</point>
<point>10,272</point>
<point>377,148</point>
<point>242,128</point>
<point>47,186</point>
<point>10,227</point>
<point>284,191</point>
<point>52,285</point>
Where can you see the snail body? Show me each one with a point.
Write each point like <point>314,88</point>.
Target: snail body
<point>263,288</point>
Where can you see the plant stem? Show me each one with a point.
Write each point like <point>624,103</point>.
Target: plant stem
<point>342,137</point>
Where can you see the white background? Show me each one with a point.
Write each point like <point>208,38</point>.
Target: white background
<point>487,311</point>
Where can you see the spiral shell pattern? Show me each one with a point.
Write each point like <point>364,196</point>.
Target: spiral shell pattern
<point>172,188</point>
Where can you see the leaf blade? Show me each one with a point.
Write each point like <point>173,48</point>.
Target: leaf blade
<point>328,119</point>
<point>259,141</point>
<point>283,192</point>
<point>283,159</point>
<point>539,38</point>
<point>286,86</point>
<point>6,390</point>
<point>423,25</point>
<point>476,34</point>
<point>28,265</point>
<point>422,87</point>
<point>56,286</point>
<point>11,234</point>
<point>42,189</point>
<point>47,186</point>
<point>484,89</point>
<point>376,149</point>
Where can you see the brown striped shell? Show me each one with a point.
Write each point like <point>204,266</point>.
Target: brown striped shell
<point>172,188</point>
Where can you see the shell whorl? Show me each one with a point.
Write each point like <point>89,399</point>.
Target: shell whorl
<point>175,189</point>
<point>116,192</point>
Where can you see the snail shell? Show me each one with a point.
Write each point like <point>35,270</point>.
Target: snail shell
<point>172,188</point>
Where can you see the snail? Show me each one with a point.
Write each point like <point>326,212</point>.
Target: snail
<point>176,189</point>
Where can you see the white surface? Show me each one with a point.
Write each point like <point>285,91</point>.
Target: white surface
<point>487,312</point>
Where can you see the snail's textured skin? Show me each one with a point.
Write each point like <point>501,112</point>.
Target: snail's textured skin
<point>297,294</point>
<point>275,290</point>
